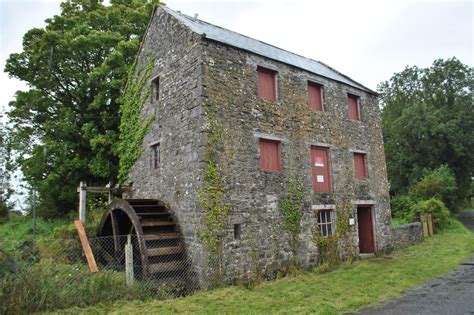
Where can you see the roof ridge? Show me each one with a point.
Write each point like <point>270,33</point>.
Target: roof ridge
<point>194,24</point>
<point>258,40</point>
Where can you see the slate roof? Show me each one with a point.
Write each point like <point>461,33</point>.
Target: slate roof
<point>237,40</point>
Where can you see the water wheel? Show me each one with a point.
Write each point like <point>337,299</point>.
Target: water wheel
<point>158,250</point>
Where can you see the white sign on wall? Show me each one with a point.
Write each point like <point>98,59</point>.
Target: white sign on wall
<point>320,179</point>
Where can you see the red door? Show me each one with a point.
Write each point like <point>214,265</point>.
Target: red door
<point>320,166</point>
<point>366,230</point>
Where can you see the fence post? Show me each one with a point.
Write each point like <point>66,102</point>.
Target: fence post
<point>111,195</point>
<point>430,223</point>
<point>82,201</point>
<point>424,221</point>
<point>129,261</point>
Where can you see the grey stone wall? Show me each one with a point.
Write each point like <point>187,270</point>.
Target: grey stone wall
<point>230,84</point>
<point>194,73</point>
<point>176,53</point>
<point>407,234</point>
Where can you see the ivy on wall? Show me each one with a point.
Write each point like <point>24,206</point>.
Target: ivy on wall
<point>291,208</point>
<point>132,127</point>
<point>336,247</point>
<point>211,200</point>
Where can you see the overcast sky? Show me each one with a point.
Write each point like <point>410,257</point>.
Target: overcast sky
<point>366,40</point>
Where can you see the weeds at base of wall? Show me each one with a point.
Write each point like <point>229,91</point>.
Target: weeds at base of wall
<point>338,247</point>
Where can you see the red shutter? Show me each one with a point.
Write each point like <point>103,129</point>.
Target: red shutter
<point>266,84</point>
<point>353,107</point>
<point>269,155</point>
<point>320,166</point>
<point>359,165</point>
<point>314,95</point>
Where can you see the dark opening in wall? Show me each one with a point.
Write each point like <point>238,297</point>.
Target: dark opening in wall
<point>155,82</point>
<point>237,231</point>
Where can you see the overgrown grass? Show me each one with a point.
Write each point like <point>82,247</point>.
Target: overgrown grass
<point>48,285</point>
<point>348,288</point>
<point>399,221</point>
<point>48,273</point>
<point>19,229</point>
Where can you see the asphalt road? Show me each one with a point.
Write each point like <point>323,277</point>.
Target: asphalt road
<point>451,294</point>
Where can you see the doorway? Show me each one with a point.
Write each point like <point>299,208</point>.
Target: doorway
<point>366,230</point>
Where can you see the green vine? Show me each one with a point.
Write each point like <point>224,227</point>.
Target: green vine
<point>291,207</point>
<point>334,247</point>
<point>211,200</point>
<point>132,128</point>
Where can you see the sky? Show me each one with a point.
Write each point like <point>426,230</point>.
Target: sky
<point>367,40</point>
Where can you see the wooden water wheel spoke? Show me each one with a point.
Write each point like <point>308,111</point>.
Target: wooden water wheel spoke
<point>157,237</point>
<point>115,231</point>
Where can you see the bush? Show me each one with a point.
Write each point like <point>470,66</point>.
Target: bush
<point>47,286</point>
<point>440,213</point>
<point>401,206</point>
<point>440,184</point>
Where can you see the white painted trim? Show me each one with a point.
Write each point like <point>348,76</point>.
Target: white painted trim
<point>268,137</point>
<point>322,207</point>
<point>363,202</point>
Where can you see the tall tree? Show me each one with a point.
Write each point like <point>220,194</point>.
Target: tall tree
<point>5,171</point>
<point>65,127</point>
<point>428,121</point>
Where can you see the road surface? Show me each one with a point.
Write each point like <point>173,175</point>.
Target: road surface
<point>451,294</point>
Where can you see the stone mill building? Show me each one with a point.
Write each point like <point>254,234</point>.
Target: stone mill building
<point>276,116</point>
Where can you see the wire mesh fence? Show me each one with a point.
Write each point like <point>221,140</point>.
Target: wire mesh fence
<point>57,276</point>
<point>160,265</point>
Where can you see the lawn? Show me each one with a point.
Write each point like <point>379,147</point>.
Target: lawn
<point>349,287</point>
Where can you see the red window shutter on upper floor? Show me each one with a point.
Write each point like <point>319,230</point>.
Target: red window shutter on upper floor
<point>353,102</point>
<point>270,155</point>
<point>266,84</point>
<point>315,97</point>
<point>360,165</point>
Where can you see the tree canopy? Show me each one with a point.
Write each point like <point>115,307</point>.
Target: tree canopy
<point>428,121</point>
<point>65,127</point>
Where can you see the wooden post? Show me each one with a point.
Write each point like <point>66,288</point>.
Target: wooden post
<point>86,247</point>
<point>424,219</point>
<point>129,261</point>
<point>430,224</point>
<point>111,196</point>
<point>82,201</point>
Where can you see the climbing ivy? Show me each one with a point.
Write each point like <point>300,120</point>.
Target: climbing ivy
<point>291,208</point>
<point>211,200</point>
<point>132,127</point>
<point>333,248</point>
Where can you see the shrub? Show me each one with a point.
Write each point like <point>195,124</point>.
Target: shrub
<point>439,183</point>
<point>401,205</point>
<point>440,213</point>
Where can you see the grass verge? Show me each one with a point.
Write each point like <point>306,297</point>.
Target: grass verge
<point>347,288</point>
